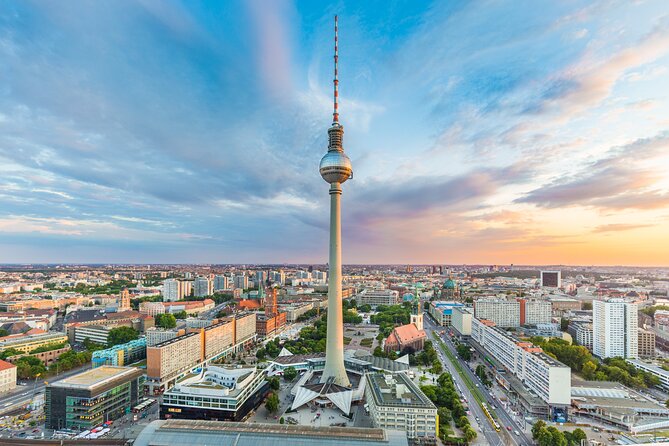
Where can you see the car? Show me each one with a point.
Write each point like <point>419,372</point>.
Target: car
<point>517,433</point>
<point>508,428</point>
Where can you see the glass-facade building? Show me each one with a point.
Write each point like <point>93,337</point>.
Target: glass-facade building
<point>88,399</point>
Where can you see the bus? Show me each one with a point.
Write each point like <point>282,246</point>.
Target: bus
<point>148,402</point>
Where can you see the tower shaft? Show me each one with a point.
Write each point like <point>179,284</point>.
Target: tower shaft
<point>334,351</point>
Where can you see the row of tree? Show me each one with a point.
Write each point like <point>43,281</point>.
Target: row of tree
<point>550,436</point>
<point>450,408</point>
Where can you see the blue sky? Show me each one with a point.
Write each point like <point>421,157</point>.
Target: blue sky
<point>480,132</point>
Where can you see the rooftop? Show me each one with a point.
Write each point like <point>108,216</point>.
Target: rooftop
<point>200,433</point>
<point>100,376</point>
<point>397,390</point>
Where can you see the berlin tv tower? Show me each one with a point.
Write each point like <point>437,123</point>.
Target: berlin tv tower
<point>335,168</point>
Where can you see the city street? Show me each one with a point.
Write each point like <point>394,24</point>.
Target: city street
<point>23,394</point>
<point>485,427</point>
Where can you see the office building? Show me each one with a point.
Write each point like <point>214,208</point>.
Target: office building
<point>646,344</point>
<point>121,354</point>
<point>90,398</point>
<point>538,372</point>
<point>221,283</point>
<point>377,296</point>
<point>218,393</point>
<point>396,403</point>
<point>551,279</point>
<point>442,311</point>
<point>461,320</point>
<point>202,286</point>
<point>7,376</point>
<point>503,312</point>
<point>615,328</point>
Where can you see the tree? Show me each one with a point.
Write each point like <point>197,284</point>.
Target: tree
<point>365,308</point>
<point>537,427</point>
<point>261,353</point>
<point>121,335</point>
<point>272,403</point>
<point>3,333</point>
<point>587,306</point>
<point>290,374</point>
<point>589,369</point>
<point>564,324</point>
<point>180,315</point>
<point>464,352</point>
<point>281,420</point>
<point>166,320</point>
<point>274,383</point>
<point>577,436</point>
<point>470,434</point>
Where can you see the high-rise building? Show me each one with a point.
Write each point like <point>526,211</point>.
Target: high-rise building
<point>278,277</point>
<point>172,290</point>
<point>260,278</point>
<point>90,398</point>
<point>335,168</point>
<point>221,283</point>
<point>202,286</point>
<point>615,328</point>
<point>551,279</point>
<point>241,281</point>
<point>533,311</point>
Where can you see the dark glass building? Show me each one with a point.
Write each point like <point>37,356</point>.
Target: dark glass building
<point>90,398</point>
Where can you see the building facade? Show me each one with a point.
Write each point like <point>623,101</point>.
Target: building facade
<point>504,313</point>
<point>7,376</point>
<point>615,329</point>
<point>218,393</point>
<point>540,373</point>
<point>90,398</point>
<point>120,355</point>
<point>646,344</point>
<point>396,403</point>
<point>202,286</point>
<point>375,297</point>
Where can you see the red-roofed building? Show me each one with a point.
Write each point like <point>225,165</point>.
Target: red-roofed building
<point>406,336</point>
<point>249,304</point>
<point>7,376</point>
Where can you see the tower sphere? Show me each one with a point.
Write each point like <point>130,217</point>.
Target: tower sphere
<point>336,167</point>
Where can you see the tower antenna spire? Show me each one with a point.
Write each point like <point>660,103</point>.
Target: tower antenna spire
<point>335,115</point>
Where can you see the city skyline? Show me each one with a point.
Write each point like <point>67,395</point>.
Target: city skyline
<point>156,132</point>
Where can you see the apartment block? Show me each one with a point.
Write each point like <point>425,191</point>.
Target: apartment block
<point>535,312</point>
<point>504,313</point>
<point>540,373</point>
<point>615,328</point>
